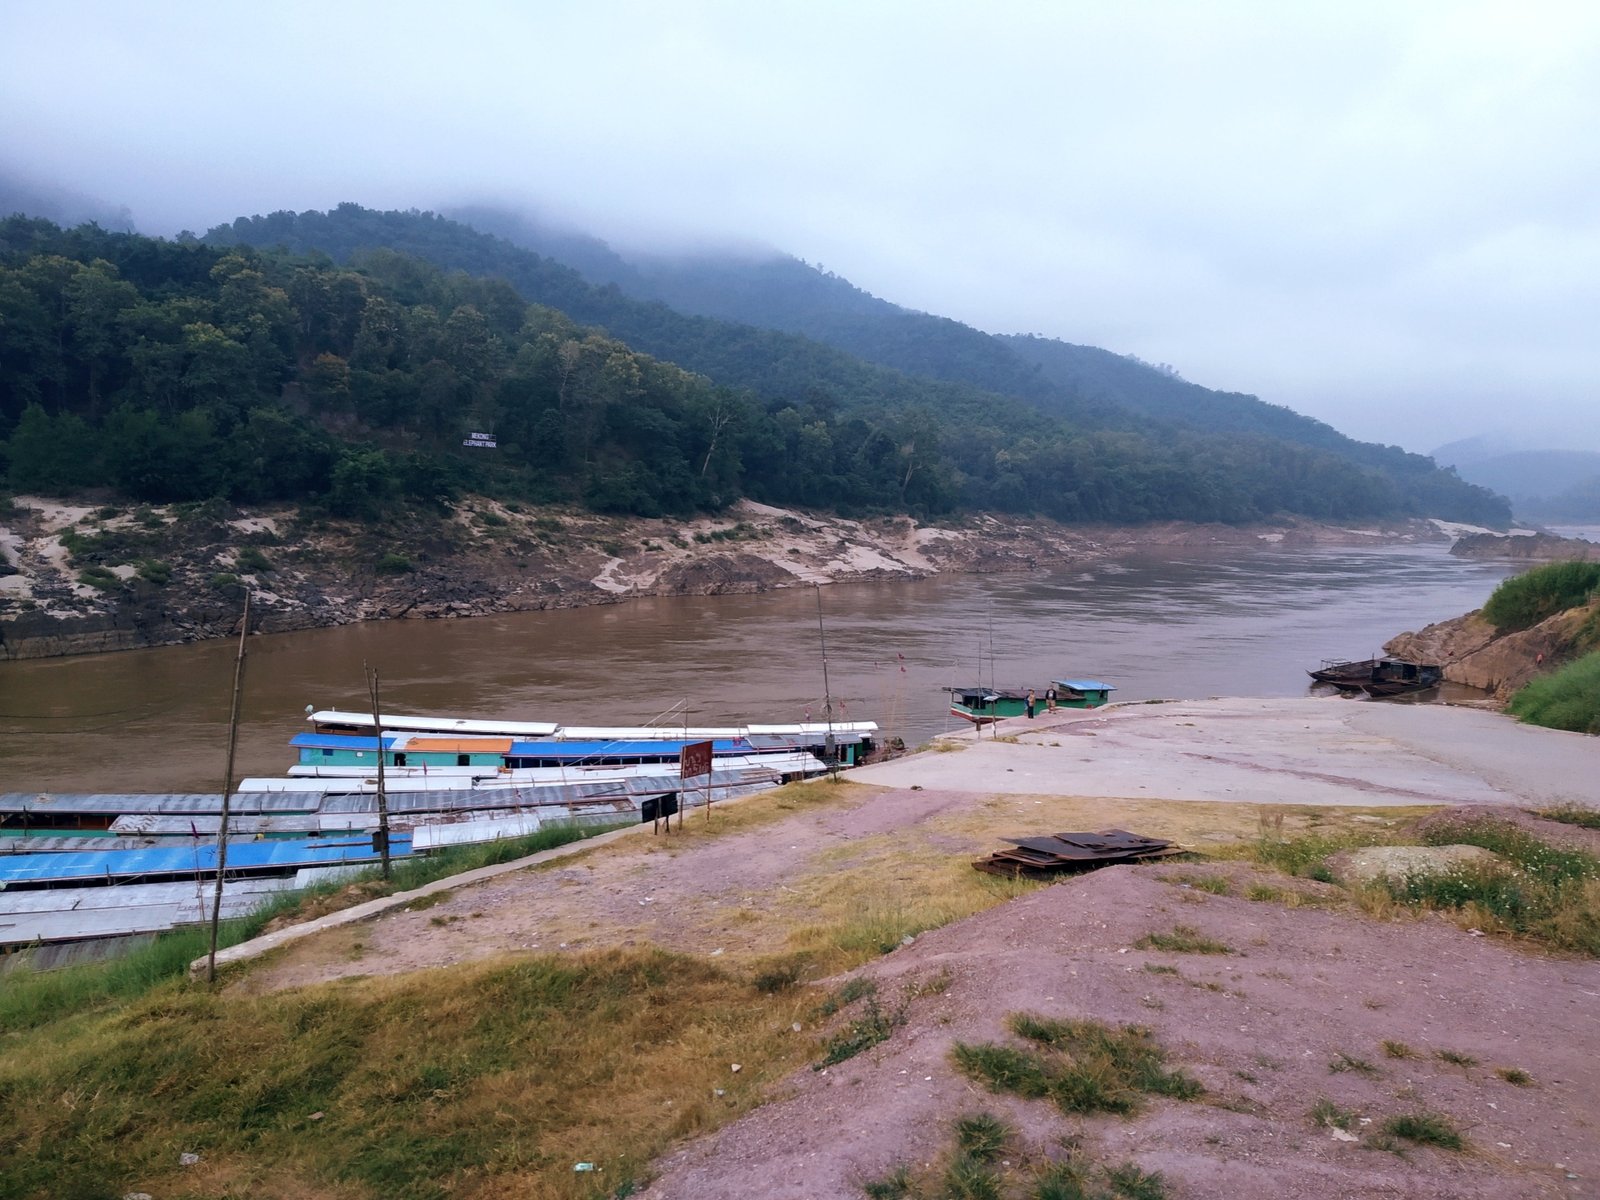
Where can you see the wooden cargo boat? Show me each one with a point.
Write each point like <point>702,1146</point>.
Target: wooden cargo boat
<point>981,705</point>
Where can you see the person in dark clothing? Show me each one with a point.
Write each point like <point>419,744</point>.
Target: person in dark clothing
<point>1030,704</point>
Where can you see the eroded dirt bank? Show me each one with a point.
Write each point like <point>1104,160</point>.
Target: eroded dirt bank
<point>80,580</point>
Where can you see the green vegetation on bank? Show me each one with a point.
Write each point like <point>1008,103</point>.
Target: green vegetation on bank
<point>1533,596</point>
<point>1568,698</point>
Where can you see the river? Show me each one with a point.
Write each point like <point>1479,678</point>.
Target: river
<point>1179,624</point>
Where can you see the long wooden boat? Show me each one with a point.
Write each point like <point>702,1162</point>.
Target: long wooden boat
<point>846,743</point>
<point>1390,676</point>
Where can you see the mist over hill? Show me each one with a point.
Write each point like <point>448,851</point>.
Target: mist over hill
<point>362,347</point>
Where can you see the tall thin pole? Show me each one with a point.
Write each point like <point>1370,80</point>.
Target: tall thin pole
<point>383,795</point>
<point>227,791</point>
<point>827,693</point>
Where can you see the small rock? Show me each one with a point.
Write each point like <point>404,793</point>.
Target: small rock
<point>719,1091</point>
<point>137,1196</point>
<point>316,1116</point>
<point>737,1068</point>
<point>1341,1135</point>
<point>583,1166</point>
<point>908,939</point>
<point>187,1159</point>
<point>795,1027</point>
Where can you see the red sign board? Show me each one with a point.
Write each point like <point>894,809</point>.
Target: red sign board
<point>695,759</point>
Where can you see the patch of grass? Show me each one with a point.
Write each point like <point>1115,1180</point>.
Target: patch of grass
<point>1058,1181</point>
<point>1546,892</point>
<point>849,992</point>
<point>982,1136</point>
<point>1515,1076</point>
<point>969,1179</point>
<point>1398,1050</point>
<point>1425,1129</point>
<point>893,1186</point>
<point>935,985</point>
<point>391,563</point>
<point>1345,1062</point>
<point>1571,814</point>
<point>1567,699</point>
<point>780,976</point>
<point>1215,884</point>
<point>1183,939</point>
<point>1160,969</point>
<point>1083,1066</point>
<point>871,1028</point>
<point>1327,1115</point>
<point>1455,1058</point>
<point>1131,1183</point>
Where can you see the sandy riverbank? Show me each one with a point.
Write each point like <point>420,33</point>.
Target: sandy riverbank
<point>175,575</point>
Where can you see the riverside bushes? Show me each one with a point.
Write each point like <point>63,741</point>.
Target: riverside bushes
<point>1524,600</point>
<point>1566,699</point>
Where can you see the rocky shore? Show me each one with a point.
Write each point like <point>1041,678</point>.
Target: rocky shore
<point>78,579</point>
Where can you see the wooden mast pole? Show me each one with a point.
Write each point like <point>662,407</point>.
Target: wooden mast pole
<point>827,693</point>
<point>383,796</point>
<point>227,791</point>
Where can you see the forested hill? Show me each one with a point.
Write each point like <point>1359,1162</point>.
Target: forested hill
<point>777,291</point>
<point>801,370</point>
<point>185,371</point>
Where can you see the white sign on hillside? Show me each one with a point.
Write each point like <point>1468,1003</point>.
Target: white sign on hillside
<point>485,440</point>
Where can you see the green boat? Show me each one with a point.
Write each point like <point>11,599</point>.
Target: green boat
<point>981,705</point>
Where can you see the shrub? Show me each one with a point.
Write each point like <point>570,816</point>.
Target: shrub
<point>99,577</point>
<point>226,582</point>
<point>393,564</point>
<point>251,561</point>
<point>154,571</point>
<point>1525,600</point>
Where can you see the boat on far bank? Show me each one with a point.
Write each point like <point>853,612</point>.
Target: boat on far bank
<point>981,705</point>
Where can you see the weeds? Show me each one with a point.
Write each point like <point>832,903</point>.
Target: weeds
<point>893,1186</point>
<point>1214,884</point>
<point>1398,1050</point>
<point>1083,1066</point>
<point>1425,1129</point>
<point>1572,814</point>
<point>982,1136</point>
<point>1184,939</point>
<point>1455,1058</point>
<point>1327,1115</point>
<point>1344,1062</point>
<point>872,1027</point>
<point>1515,1076</point>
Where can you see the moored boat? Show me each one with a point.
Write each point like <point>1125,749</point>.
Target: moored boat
<point>981,705</point>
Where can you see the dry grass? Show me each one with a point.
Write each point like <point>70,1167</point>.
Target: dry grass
<point>491,1080</point>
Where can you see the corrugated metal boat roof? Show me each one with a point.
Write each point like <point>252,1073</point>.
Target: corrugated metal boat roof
<point>1084,685</point>
<point>48,804</point>
<point>404,722</point>
<point>201,859</point>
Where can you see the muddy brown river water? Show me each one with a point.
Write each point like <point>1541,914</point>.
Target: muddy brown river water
<point>1179,624</point>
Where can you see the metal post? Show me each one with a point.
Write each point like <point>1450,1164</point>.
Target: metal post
<point>829,744</point>
<point>227,791</point>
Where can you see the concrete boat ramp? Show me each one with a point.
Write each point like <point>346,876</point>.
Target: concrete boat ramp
<point>1320,751</point>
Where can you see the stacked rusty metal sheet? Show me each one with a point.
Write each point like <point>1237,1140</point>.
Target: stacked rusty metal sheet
<point>1045,857</point>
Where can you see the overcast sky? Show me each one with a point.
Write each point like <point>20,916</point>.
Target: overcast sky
<point>1386,215</point>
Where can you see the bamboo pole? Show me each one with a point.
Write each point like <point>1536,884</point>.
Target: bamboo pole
<point>227,791</point>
